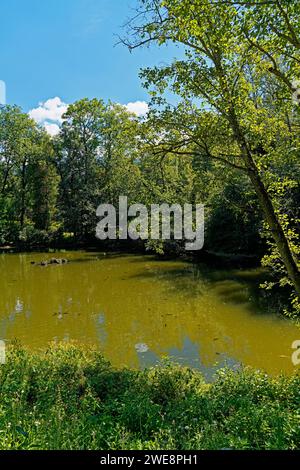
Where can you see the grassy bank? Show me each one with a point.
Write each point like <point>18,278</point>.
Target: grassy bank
<point>70,398</point>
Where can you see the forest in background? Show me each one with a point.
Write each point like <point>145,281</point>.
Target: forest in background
<point>231,141</point>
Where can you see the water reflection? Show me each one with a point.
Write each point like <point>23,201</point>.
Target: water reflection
<point>137,309</point>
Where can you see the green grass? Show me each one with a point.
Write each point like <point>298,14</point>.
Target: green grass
<point>69,397</point>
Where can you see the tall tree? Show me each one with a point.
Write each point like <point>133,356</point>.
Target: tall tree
<point>220,71</point>
<point>96,148</point>
<point>23,151</point>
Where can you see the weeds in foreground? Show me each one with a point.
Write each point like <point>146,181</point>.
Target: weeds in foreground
<point>69,397</point>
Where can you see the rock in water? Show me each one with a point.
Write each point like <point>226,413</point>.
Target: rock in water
<point>51,261</point>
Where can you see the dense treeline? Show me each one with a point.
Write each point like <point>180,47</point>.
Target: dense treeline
<point>50,188</point>
<point>231,142</point>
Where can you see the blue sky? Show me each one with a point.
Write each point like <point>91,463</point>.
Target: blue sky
<point>66,49</point>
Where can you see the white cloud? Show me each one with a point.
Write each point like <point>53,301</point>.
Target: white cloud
<point>51,110</point>
<point>52,129</point>
<point>140,108</point>
<point>49,113</point>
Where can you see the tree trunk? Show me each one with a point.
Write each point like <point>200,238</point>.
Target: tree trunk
<point>267,207</point>
<point>23,194</point>
<point>276,229</point>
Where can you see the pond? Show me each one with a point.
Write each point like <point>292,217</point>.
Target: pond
<point>137,309</point>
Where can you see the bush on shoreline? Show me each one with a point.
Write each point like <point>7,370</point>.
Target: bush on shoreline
<point>69,397</point>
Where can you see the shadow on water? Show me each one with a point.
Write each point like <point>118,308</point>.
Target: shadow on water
<point>100,257</point>
<point>231,286</point>
<point>238,286</point>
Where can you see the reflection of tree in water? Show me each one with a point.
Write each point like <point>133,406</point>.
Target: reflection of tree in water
<point>197,315</point>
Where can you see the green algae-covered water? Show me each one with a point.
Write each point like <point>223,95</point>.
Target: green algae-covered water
<point>137,310</point>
